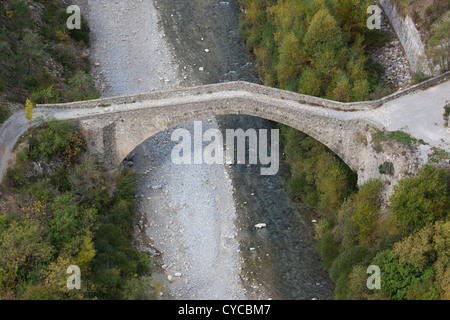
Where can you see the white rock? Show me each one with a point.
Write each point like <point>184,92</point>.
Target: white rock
<point>177,274</point>
<point>169,277</point>
<point>260,225</point>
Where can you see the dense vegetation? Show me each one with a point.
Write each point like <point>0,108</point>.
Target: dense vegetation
<point>439,45</point>
<point>40,57</point>
<point>320,48</point>
<point>57,208</point>
<point>61,212</point>
<point>313,47</point>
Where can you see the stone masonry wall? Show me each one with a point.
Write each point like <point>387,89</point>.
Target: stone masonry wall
<point>407,33</point>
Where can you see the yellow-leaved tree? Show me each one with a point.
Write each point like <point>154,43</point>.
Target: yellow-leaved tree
<point>29,111</point>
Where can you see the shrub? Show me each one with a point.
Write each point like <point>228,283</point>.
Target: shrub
<point>45,95</point>
<point>424,290</point>
<point>344,231</point>
<point>343,265</point>
<point>81,87</point>
<point>396,278</point>
<point>418,201</point>
<point>56,138</point>
<point>5,113</point>
<point>328,249</point>
<point>357,283</point>
<point>81,34</point>
<point>366,203</point>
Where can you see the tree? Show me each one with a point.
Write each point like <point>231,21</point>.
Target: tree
<point>292,59</point>
<point>366,204</point>
<point>430,246</point>
<point>439,43</point>
<point>323,33</point>
<point>31,57</point>
<point>29,111</point>
<point>6,60</point>
<point>397,278</point>
<point>20,17</point>
<point>81,87</point>
<point>23,244</point>
<point>418,201</point>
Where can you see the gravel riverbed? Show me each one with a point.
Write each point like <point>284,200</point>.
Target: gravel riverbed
<point>197,221</point>
<point>187,212</point>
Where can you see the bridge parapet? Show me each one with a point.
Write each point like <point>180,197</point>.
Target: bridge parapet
<point>246,87</point>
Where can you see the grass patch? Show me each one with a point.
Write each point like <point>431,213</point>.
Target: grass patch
<point>438,154</point>
<point>400,136</point>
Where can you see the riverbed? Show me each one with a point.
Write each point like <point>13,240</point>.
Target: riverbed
<point>197,221</point>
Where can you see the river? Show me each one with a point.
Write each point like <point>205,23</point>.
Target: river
<point>198,220</point>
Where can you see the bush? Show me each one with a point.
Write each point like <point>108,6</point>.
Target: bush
<point>396,278</point>
<point>328,249</point>
<point>343,265</point>
<point>357,284</point>
<point>424,290</point>
<point>366,204</point>
<point>56,138</point>
<point>81,34</point>
<point>420,200</point>
<point>45,95</point>
<point>81,87</point>
<point>5,113</point>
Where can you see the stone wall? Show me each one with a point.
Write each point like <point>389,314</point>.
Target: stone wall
<point>250,88</point>
<point>407,33</point>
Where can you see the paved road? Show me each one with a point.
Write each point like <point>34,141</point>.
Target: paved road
<point>419,114</point>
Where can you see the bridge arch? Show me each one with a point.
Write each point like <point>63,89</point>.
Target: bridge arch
<point>120,128</point>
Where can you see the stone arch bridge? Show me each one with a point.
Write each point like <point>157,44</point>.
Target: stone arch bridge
<point>115,126</point>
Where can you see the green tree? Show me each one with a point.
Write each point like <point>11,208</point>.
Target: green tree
<point>439,46</point>
<point>31,58</point>
<point>21,17</point>
<point>23,245</point>
<point>81,87</point>
<point>428,247</point>
<point>418,201</point>
<point>6,60</point>
<point>323,33</point>
<point>366,204</point>
<point>292,59</point>
<point>397,278</point>
<point>328,249</point>
<point>310,82</point>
